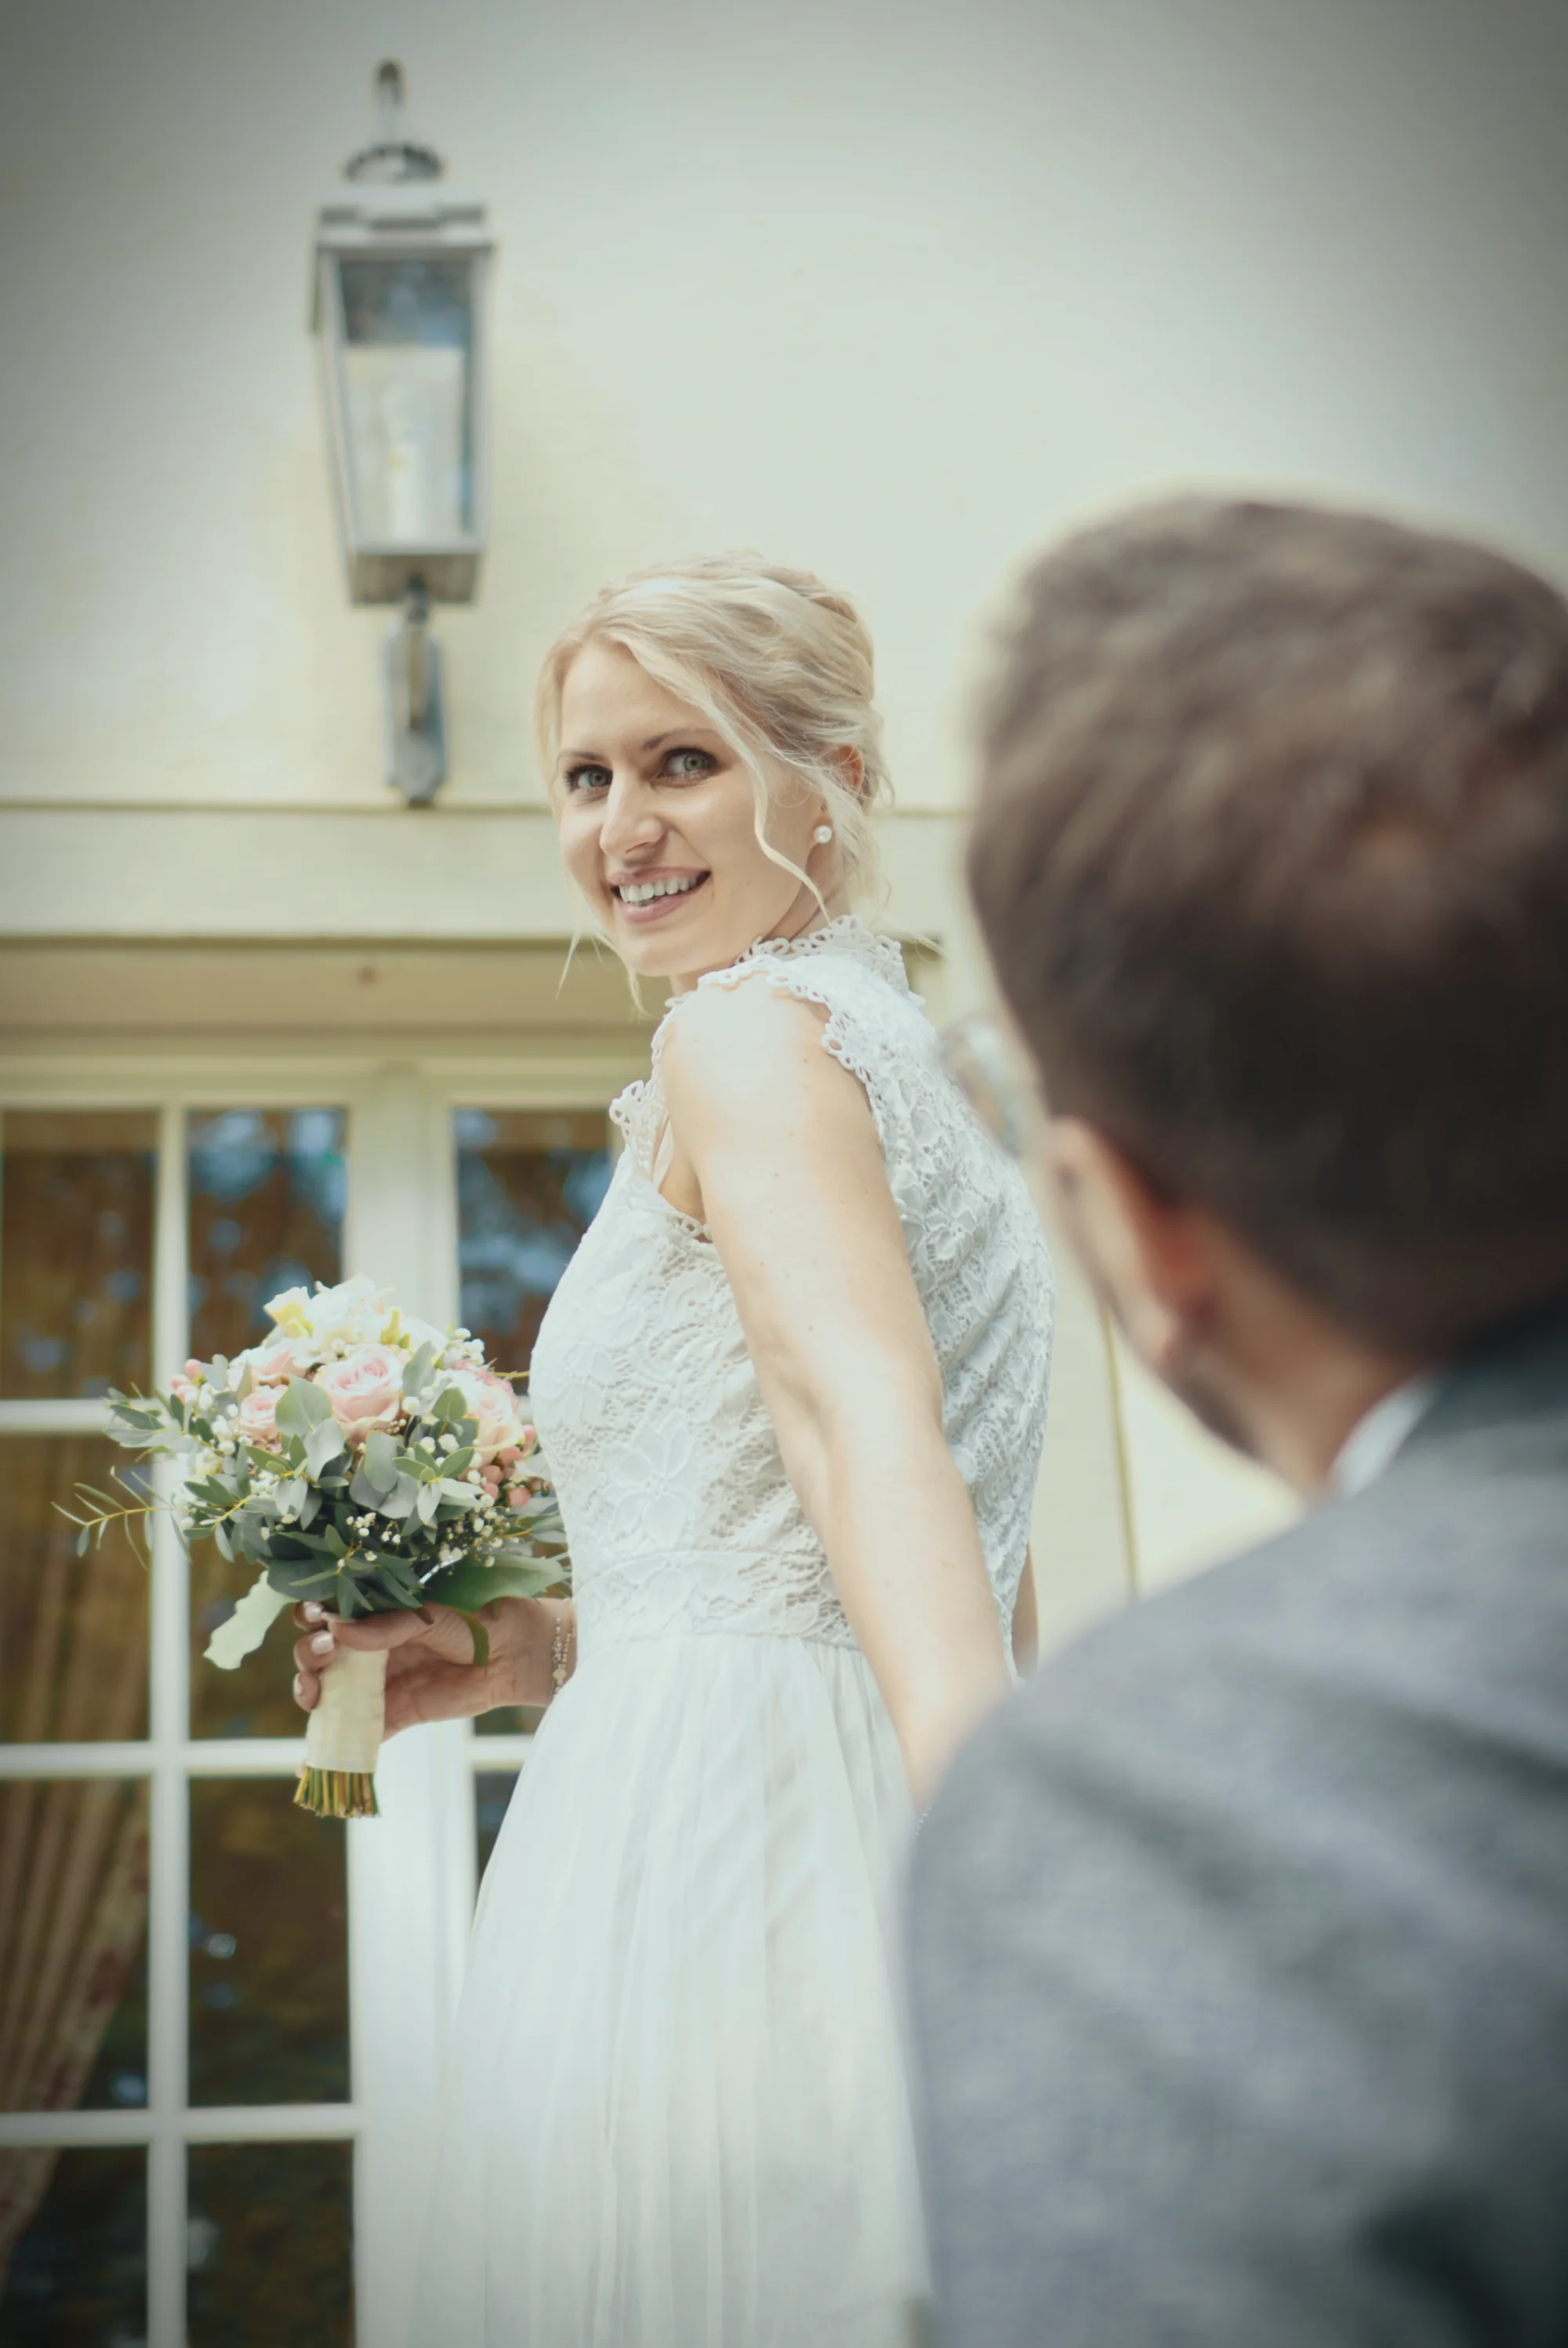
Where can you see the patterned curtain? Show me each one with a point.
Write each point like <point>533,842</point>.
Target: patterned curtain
<point>73,1852</point>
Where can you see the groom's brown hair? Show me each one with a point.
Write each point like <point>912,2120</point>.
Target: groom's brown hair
<point>1272,858</point>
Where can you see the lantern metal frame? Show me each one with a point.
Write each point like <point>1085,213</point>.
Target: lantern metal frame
<point>390,210</point>
<point>404,224</point>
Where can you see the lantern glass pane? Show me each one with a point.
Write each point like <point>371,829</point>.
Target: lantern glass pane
<point>407,388</point>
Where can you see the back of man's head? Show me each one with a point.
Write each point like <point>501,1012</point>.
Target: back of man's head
<point>1272,858</point>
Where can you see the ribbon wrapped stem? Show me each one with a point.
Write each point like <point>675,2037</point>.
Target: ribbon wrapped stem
<point>343,1739</point>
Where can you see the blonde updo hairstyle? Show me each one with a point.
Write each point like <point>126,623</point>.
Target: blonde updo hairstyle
<point>781,668</point>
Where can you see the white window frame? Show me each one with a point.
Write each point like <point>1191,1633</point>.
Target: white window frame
<point>411,1873</point>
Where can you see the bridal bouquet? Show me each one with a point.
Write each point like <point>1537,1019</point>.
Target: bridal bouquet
<point>360,1457</point>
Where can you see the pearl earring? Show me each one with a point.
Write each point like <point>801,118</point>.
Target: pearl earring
<point>822,834</point>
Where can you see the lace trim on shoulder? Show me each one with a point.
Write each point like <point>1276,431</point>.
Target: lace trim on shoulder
<point>847,934</point>
<point>789,963</point>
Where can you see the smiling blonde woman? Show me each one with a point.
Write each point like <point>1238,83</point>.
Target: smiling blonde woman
<point>792,1389</point>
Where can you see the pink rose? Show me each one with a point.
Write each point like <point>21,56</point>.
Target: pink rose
<point>258,1416</point>
<point>272,1364</point>
<point>489,1401</point>
<point>365,1389</point>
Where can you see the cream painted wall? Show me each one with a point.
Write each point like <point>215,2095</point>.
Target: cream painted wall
<point>893,291</point>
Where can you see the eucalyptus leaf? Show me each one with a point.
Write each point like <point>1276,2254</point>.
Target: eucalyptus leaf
<point>324,1443</point>
<point>400,1501</point>
<point>468,1586</point>
<point>417,1371</point>
<point>378,1461</point>
<point>300,1406</point>
<point>429,1500</point>
<point>362,1491</point>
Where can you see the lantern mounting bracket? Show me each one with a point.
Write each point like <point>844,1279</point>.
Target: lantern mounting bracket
<point>414,721</point>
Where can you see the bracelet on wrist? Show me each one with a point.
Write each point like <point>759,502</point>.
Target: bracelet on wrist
<point>560,1647</point>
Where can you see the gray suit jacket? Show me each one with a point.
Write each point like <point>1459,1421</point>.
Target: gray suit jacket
<point>1240,1938</point>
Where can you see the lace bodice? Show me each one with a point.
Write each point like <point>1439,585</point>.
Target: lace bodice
<point>677,1507</point>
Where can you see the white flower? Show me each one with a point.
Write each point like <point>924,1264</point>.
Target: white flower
<point>335,1320</point>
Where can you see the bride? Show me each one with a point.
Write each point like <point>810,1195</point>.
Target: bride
<point>792,1391</point>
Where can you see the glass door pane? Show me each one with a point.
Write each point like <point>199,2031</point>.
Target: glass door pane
<point>76,1252</point>
<point>73,1630</point>
<point>269,2246</point>
<point>73,1944</point>
<point>269,1947</point>
<point>73,2248</point>
<point>267,1193</point>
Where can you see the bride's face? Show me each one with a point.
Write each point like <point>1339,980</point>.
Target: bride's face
<point>652,800</point>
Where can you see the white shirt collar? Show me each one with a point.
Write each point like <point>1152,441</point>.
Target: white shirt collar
<point>1372,1442</point>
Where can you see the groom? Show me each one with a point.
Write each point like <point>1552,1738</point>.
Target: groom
<point>1241,1953</point>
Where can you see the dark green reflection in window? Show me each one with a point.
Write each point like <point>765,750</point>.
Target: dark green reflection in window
<point>76,1252</point>
<point>76,2275</point>
<point>493,1790</point>
<point>73,1630</point>
<point>270,2246</point>
<point>267,1192</point>
<point>269,1947</point>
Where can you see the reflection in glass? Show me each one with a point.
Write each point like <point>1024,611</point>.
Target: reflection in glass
<point>73,2248</point>
<point>529,1182</point>
<point>267,1192</point>
<point>407,375</point>
<point>73,1630</point>
<point>269,2246</point>
<point>529,1185</point>
<point>268,1961</point>
<point>255,1700</point>
<point>492,1791</point>
<point>73,1944</point>
<point>76,1250</point>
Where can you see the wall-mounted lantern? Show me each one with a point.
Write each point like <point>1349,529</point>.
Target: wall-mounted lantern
<point>402,276</point>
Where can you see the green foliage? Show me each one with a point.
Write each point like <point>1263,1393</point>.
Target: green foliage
<point>385,1525</point>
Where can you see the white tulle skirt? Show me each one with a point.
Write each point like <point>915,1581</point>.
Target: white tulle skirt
<point>677,2114</point>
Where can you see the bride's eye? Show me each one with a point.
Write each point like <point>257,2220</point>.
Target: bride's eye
<point>689,766</point>
<point>587,778</point>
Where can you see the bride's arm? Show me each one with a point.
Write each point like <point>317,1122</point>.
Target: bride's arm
<point>774,1147</point>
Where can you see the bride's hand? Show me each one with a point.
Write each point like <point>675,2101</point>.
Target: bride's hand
<point>431,1674</point>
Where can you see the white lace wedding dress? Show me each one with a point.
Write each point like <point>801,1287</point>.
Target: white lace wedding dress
<point>677,2112</point>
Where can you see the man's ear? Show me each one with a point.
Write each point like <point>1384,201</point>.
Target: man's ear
<point>1146,1255</point>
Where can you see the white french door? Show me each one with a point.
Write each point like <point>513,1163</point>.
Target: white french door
<point>221,2022</point>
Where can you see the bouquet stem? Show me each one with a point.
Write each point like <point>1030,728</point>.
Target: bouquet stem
<point>343,1739</point>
